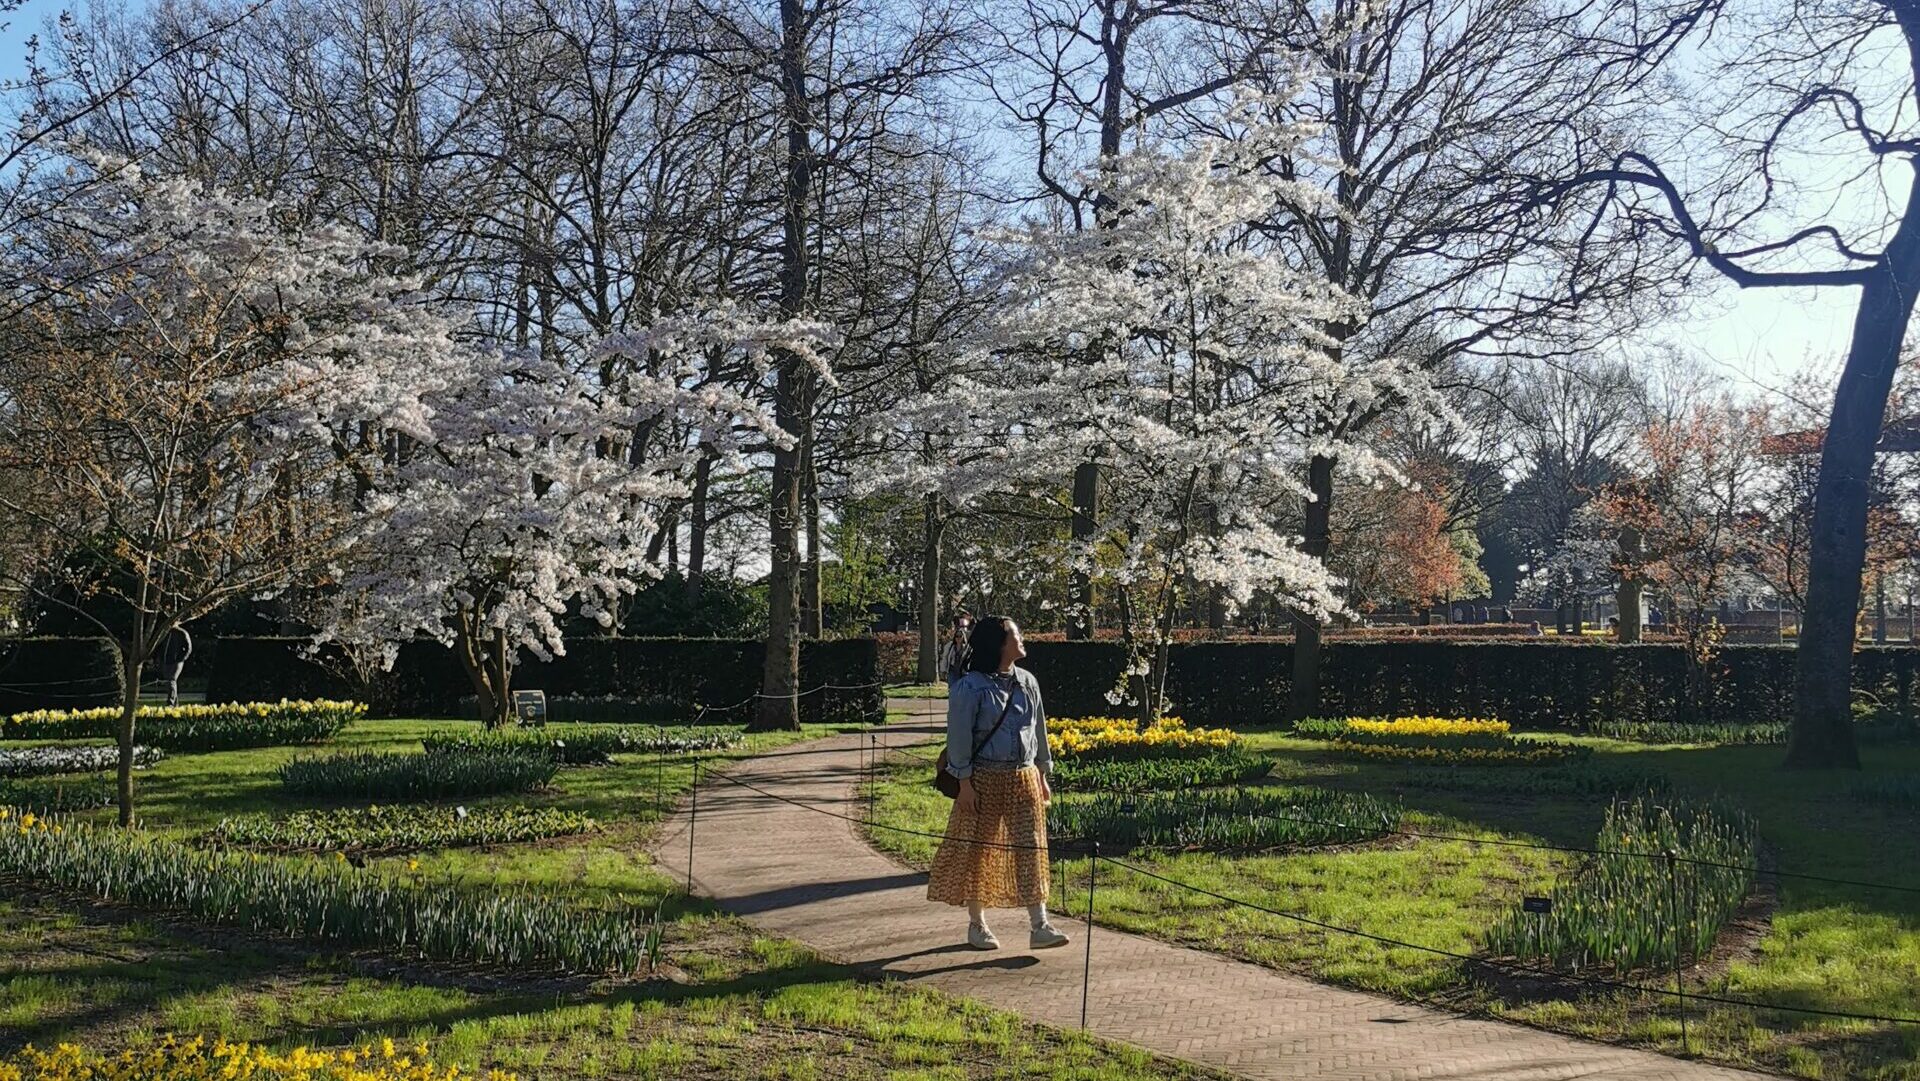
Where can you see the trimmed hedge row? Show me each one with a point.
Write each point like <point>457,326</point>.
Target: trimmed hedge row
<point>1534,684</point>
<point>427,680</point>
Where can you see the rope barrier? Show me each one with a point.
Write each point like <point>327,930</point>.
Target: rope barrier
<point>1513,966</point>
<point>1402,831</point>
<point>1089,848</point>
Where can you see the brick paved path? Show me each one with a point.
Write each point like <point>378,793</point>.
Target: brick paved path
<point>811,878</point>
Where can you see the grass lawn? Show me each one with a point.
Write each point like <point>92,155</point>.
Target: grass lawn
<point>918,690</point>
<point>727,1003</point>
<point>1821,946</point>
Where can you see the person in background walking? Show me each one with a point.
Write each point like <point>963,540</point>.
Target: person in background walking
<point>955,654</point>
<point>174,651</point>
<point>995,851</point>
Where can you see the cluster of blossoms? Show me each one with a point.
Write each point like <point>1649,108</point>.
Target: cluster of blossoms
<point>1095,735</point>
<point>178,1059</point>
<point>26,822</point>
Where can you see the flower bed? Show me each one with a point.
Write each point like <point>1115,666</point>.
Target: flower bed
<point>580,744</point>
<point>60,793</point>
<point>196,728</point>
<point>1120,739</point>
<point>177,1059</point>
<point>396,828</point>
<point>1617,911</point>
<point>41,761</point>
<point>1226,818</point>
<point>1436,741</point>
<point>1578,779</point>
<point>1520,753</point>
<point>1220,767</point>
<point>329,900</point>
<point>1662,732</point>
<point>368,775</point>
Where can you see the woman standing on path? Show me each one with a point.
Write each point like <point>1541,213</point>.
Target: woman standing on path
<point>995,851</point>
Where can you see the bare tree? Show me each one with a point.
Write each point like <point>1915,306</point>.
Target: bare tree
<point>1802,75</point>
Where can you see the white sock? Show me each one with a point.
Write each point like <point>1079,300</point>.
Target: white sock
<point>1038,914</point>
<point>977,916</point>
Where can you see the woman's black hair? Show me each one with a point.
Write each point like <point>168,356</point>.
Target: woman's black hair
<point>986,643</point>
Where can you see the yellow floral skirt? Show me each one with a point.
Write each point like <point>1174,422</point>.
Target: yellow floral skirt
<point>995,857</point>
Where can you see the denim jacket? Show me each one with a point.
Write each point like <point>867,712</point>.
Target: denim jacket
<point>974,703</point>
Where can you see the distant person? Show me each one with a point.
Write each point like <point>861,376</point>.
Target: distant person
<point>994,854</point>
<point>1503,614</point>
<point>1613,626</point>
<point>956,655</point>
<point>1655,617</point>
<point>174,651</point>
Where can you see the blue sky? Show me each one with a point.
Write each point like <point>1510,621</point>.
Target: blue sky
<point>1758,338</point>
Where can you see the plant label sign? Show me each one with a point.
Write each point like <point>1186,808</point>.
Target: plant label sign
<point>1541,905</point>
<point>530,708</point>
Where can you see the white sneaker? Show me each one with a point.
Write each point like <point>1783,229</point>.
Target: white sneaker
<point>980,938</point>
<point>1044,937</point>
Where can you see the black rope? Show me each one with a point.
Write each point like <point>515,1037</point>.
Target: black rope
<point>1509,966</point>
<point>1372,831</point>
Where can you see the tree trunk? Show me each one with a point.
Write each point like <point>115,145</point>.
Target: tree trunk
<point>1305,696</point>
<point>1823,662</point>
<point>130,670</point>
<point>812,617</point>
<point>1086,513</point>
<point>1628,598</point>
<point>697,526</point>
<point>500,674</point>
<point>934,526</point>
<point>486,662</point>
<point>1879,610</point>
<point>779,706</point>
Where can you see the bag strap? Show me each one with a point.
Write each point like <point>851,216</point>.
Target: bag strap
<point>1004,710</point>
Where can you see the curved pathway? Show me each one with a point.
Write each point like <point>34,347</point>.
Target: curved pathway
<point>812,878</point>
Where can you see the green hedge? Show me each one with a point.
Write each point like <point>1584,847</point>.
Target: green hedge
<point>427,680</point>
<point>57,673</point>
<point>1530,684</point>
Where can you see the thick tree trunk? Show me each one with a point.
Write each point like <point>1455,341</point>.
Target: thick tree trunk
<point>1628,599</point>
<point>779,706</point>
<point>1304,700</point>
<point>934,527</point>
<point>1823,670</point>
<point>1086,513</point>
